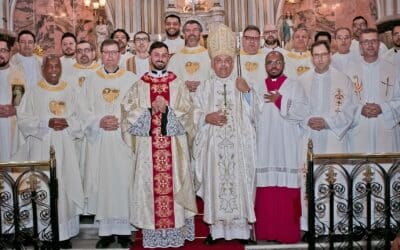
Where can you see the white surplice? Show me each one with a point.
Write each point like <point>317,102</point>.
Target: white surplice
<point>136,128</point>
<point>137,65</point>
<point>174,45</point>
<point>31,66</point>
<point>40,103</point>
<point>297,63</point>
<point>224,159</point>
<point>343,61</point>
<point>109,161</point>
<point>253,68</point>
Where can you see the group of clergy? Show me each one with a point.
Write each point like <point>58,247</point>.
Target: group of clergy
<point>138,136</point>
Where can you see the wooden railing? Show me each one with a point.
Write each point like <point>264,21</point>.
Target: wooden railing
<point>353,200</point>
<point>28,204</point>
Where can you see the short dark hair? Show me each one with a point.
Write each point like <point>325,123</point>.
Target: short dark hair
<point>323,33</point>
<point>26,32</point>
<point>318,43</point>
<point>49,57</point>
<point>369,30</point>
<point>141,32</point>
<point>192,22</point>
<point>68,34</point>
<point>92,46</point>
<point>173,16</point>
<point>252,27</point>
<point>157,45</point>
<point>108,42</point>
<point>360,17</point>
<point>275,52</point>
<point>7,42</point>
<point>342,28</point>
<point>122,31</point>
<point>394,26</point>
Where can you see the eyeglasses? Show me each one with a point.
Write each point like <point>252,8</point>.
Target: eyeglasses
<point>110,52</point>
<point>3,50</point>
<point>140,39</point>
<point>252,38</point>
<point>369,42</point>
<point>85,50</point>
<point>322,55</point>
<point>270,32</point>
<point>274,63</point>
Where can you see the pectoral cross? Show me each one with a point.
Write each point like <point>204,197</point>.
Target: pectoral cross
<point>387,85</point>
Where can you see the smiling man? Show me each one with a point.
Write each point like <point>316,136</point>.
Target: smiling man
<point>157,112</point>
<point>172,30</point>
<point>139,63</point>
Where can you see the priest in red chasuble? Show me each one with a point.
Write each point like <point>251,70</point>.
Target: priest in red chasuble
<point>156,112</point>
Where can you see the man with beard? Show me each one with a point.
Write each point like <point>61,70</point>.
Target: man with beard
<point>192,63</point>
<point>271,41</point>
<point>393,55</point>
<point>48,117</point>
<point>343,59</point>
<point>360,24</point>
<point>68,47</point>
<point>122,37</point>
<point>298,60</point>
<point>139,63</point>
<point>252,57</point>
<point>278,203</point>
<point>156,113</point>
<point>25,60</point>
<point>10,78</point>
<point>224,148</point>
<point>376,84</point>
<point>77,76</point>
<point>173,29</point>
<point>108,159</point>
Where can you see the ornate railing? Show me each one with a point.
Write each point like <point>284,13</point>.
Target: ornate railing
<point>353,200</point>
<point>28,204</point>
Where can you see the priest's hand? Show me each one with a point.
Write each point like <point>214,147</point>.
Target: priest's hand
<point>159,105</point>
<point>216,118</point>
<point>317,123</point>
<point>58,124</point>
<point>271,96</point>
<point>109,123</point>
<point>192,85</point>
<point>375,109</point>
<point>396,243</point>
<point>7,110</point>
<point>371,110</point>
<point>242,85</point>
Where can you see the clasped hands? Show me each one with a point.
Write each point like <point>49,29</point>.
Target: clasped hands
<point>317,123</point>
<point>58,124</point>
<point>7,110</point>
<point>192,85</point>
<point>159,105</point>
<point>370,110</point>
<point>109,123</point>
<point>216,118</point>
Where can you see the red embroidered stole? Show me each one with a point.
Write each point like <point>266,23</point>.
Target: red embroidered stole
<point>275,86</point>
<point>163,190</point>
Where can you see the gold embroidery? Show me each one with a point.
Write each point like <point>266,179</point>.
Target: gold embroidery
<point>163,184</point>
<point>103,75</point>
<point>339,97</point>
<point>57,107</point>
<point>59,87</point>
<point>110,94</point>
<point>302,69</point>
<point>164,206</point>
<point>185,50</point>
<point>251,66</point>
<point>298,55</point>
<point>81,81</point>
<point>94,65</point>
<point>159,88</point>
<point>192,67</point>
<point>358,86</point>
<point>242,52</point>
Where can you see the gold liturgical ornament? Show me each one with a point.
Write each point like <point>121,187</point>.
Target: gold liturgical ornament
<point>57,107</point>
<point>81,81</point>
<point>251,66</point>
<point>110,95</point>
<point>192,67</point>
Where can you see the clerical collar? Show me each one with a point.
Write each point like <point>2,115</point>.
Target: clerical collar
<point>158,73</point>
<point>113,72</point>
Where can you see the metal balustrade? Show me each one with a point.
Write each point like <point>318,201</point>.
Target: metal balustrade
<point>28,204</point>
<point>353,200</point>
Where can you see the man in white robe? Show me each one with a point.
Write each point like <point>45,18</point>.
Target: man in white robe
<point>109,161</point>
<point>156,111</point>
<point>278,160</point>
<point>68,47</point>
<point>393,55</point>
<point>192,63</point>
<point>172,30</point>
<point>139,63</point>
<point>343,58</point>
<point>122,37</point>
<point>252,58</point>
<point>298,60</point>
<point>271,40</point>
<point>48,115</point>
<point>376,84</point>
<point>224,147</point>
<point>330,113</point>
<point>26,60</point>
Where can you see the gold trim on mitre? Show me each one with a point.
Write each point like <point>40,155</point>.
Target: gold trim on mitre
<point>221,41</point>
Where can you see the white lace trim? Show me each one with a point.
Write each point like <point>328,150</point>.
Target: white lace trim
<point>142,126</point>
